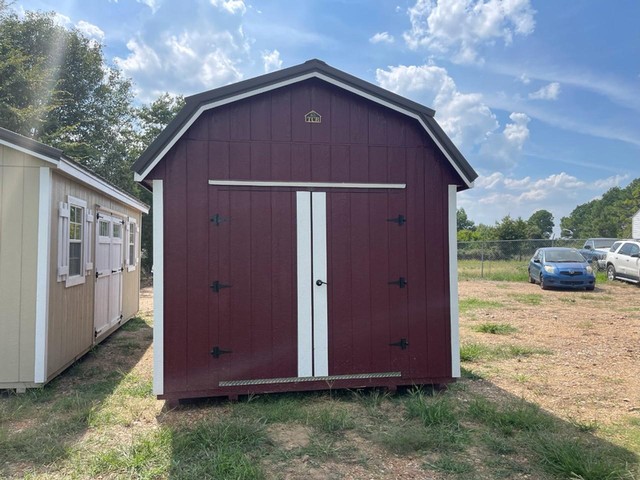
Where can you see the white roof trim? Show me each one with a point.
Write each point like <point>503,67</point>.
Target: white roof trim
<point>83,176</point>
<point>101,185</point>
<point>39,156</point>
<point>267,88</point>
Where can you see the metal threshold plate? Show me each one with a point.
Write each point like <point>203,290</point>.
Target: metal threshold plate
<point>330,378</point>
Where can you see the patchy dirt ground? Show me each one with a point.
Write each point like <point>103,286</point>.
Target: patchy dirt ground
<point>591,373</point>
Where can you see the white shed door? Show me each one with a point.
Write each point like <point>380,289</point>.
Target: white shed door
<point>109,268</point>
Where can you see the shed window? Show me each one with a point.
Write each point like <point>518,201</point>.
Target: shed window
<point>104,229</point>
<point>74,241</point>
<point>76,215</point>
<point>132,244</point>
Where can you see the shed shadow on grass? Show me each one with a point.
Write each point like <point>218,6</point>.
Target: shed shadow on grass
<point>472,430</point>
<point>39,427</point>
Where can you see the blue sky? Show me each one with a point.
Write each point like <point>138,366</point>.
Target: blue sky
<point>542,97</point>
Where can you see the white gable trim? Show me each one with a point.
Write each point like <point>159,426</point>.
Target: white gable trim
<point>37,155</point>
<point>101,185</point>
<point>139,177</point>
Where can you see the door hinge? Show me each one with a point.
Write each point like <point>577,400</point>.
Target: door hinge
<point>401,282</point>
<point>217,351</point>
<point>403,344</point>
<point>97,274</point>
<point>400,220</point>
<point>216,286</point>
<point>217,219</point>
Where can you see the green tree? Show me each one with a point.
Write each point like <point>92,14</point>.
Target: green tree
<point>464,222</point>
<point>150,121</point>
<point>57,89</point>
<point>540,224</point>
<point>609,216</point>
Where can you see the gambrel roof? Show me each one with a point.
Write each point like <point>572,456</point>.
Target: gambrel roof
<point>196,104</point>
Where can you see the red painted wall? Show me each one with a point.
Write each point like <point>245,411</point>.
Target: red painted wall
<point>254,248</point>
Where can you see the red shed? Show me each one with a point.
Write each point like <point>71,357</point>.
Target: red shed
<point>304,239</point>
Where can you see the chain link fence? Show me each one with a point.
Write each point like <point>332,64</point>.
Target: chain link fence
<point>487,256</point>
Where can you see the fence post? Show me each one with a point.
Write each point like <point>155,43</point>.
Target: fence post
<point>482,261</point>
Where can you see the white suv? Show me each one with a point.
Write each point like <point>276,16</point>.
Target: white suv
<point>623,261</point>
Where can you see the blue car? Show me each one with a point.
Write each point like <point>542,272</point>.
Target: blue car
<point>561,267</point>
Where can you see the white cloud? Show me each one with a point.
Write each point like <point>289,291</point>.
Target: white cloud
<point>464,116</point>
<point>463,26</point>
<point>549,92</point>
<point>61,20</point>
<point>503,149</point>
<point>524,79</point>
<point>89,30</point>
<point>496,195</point>
<point>271,61</point>
<point>152,4</point>
<point>382,37</point>
<point>185,62</point>
<point>231,6</point>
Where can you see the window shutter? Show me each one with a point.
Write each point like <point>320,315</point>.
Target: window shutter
<point>87,241</point>
<point>137,242</point>
<point>63,241</point>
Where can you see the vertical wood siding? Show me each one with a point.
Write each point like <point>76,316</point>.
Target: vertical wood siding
<point>71,309</point>
<point>266,138</point>
<point>19,185</point>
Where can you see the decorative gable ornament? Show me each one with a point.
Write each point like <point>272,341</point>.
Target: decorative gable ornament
<point>313,117</point>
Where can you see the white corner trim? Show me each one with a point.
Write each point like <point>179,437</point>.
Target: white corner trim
<point>305,302</point>
<point>158,288</point>
<point>267,88</point>
<point>101,185</point>
<point>293,184</point>
<point>42,275</point>
<point>453,282</point>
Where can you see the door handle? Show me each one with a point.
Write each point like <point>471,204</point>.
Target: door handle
<point>320,283</point>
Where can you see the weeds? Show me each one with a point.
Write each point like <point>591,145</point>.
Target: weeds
<point>528,298</point>
<point>468,304</point>
<point>495,328</point>
<point>473,352</point>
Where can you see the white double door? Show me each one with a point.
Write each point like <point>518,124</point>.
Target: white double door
<point>109,271</point>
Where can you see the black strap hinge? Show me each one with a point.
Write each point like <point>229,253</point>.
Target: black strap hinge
<point>217,219</point>
<point>401,282</point>
<point>400,220</point>
<point>403,344</point>
<point>217,351</point>
<point>216,286</point>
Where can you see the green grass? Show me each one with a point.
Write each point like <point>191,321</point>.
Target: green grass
<point>566,457</point>
<point>497,270</point>
<point>495,328</point>
<point>528,298</point>
<point>474,352</point>
<point>467,304</point>
<point>515,416</point>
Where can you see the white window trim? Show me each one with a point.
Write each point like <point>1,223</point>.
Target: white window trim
<point>64,241</point>
<point>132,224</point>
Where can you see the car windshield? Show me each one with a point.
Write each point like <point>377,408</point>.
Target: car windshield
<point>604,243</point>
<point>563,256</point>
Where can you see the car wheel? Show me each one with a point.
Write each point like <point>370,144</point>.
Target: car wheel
<point>531,279</point>
<point>611,273</point>
<point>590,288</point>
<point>542,285</point>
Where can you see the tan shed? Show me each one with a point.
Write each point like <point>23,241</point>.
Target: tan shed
<point>69,260</point>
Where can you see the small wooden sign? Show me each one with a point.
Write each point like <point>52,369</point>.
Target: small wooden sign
<point>313,117</point>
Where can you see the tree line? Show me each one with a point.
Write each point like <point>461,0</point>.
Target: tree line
<point>609,216</point>
<point>58,89</point>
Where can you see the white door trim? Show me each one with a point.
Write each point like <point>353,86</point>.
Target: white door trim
<point>320,307</point>
<point>305,301</point>
<point>42,282</point>
<point>252,183</point>
<point>453,282</point>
